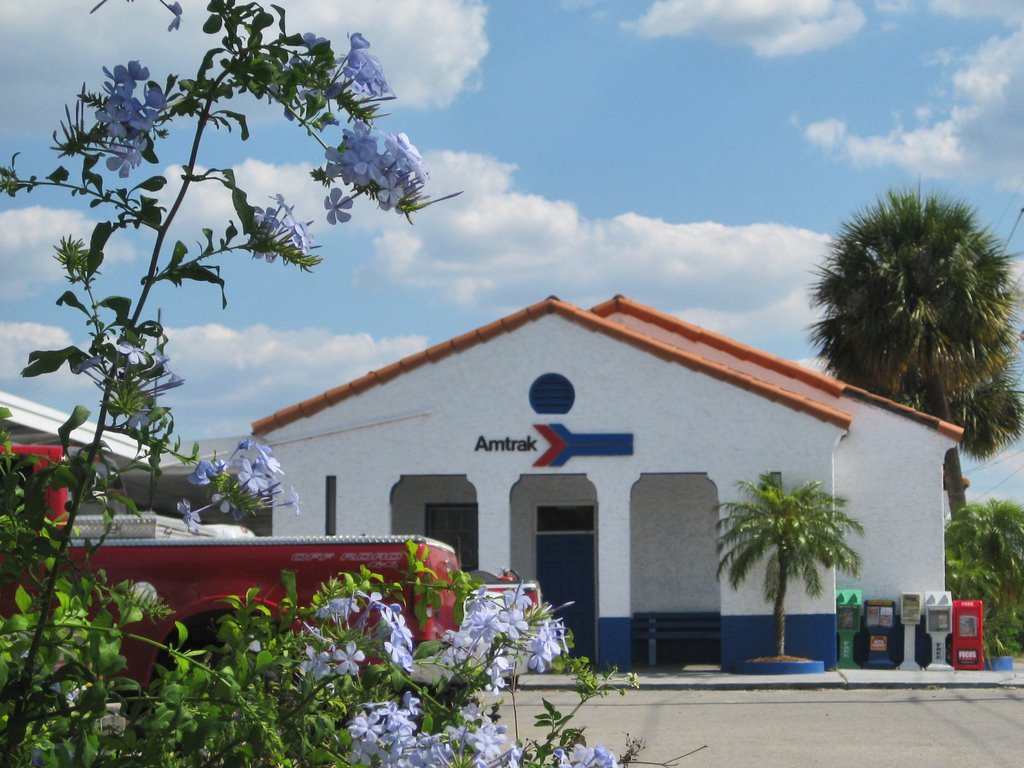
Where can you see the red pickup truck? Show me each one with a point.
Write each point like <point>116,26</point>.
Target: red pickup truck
<point>193,575</point>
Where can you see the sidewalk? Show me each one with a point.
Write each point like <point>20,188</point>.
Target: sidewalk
<point>713,679</point>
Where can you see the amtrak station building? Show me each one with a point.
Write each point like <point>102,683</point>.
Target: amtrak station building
<point>590,450</point>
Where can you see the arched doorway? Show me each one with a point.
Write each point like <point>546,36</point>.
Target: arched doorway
<point>673,557</point>
<point>443,507</point>
<point>554,540</point>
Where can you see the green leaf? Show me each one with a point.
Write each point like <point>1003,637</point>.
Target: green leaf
<point>213,25</point>
<point>239,118</point>
<point>263,660</point>
<point>262,21</point>
<point>427,649</point>
<point>100,234</point>
<point>78,417</point>
<point>40,362</point>
<point>153,184</point>
<point>182,633</point>
<point>150,212</point>
<point>121,305</point>
<point>288,581</point>
<point>130,614</point>
<point>69,299</point>
<point>22,599</point>
<point>59,176</point>
<point>15,624</point>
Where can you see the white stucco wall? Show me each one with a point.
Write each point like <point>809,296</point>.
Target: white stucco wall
<point>427,421</point>
<point>673,558</point>
<point>890,470</point>
<point>889,467</point>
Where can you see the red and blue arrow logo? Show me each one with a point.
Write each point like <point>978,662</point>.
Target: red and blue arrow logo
<point>564,444</point>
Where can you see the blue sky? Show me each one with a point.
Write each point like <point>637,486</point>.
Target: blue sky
<point>694,155</point>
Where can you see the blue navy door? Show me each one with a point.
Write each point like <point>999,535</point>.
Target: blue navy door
<point>566,570</point>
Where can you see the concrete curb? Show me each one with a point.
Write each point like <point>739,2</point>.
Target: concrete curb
<point>846,679</point>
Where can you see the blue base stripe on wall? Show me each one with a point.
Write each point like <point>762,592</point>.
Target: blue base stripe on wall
<point>613,642</point>
<point>750,637</point>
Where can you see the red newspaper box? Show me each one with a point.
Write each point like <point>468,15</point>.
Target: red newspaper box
<point>968,634</point>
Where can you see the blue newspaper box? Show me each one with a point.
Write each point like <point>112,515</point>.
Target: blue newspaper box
<point>879,620</point>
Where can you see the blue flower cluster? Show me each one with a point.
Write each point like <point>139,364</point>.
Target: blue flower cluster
<point>388,735</point>
<point>248,479</point>
<point>498,629</point>
<point>508,614</point>
<point>280,223</point>
<point>383,620</point>
<point>358,69</point>
<point>363,70</point>
<point>174,8</point>
<point>136,379</point>
<point>128,120</point>
<point>583,756</point>
<point>389,176</point>
<point>384,166</point>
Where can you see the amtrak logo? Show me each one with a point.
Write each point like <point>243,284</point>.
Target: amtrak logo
<point>565,444</point>
<point>552,393</point>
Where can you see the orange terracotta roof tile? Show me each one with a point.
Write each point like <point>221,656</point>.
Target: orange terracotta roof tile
<point>821,381</point>
<point>591,320</point>
<point>671,323</point>
<point>597,321</point>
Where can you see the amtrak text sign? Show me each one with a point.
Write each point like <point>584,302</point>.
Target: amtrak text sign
<point>562,444</point>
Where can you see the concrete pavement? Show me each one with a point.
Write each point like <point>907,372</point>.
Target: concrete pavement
<point>713,679</point>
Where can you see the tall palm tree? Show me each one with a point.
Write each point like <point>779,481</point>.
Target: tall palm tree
<point>920,304</point>
<point>798,532</point>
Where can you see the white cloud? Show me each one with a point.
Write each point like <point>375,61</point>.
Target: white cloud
<point>233,375</point>
<point>1009,10</point>
<point>208,203</point>
<point>236,375</point>
<point>769,27</point>
<point>975,135</point>
<point>27,239</point>
<point>431,49</point>
<point>497,247</point>
<point>17,340</point>
<point>897,7</point>
<point>59,390</point>
<point>782,314</point>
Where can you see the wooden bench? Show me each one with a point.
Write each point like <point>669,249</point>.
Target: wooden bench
<point>653,627</point>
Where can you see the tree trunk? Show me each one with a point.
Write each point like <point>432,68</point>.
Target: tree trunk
<point>954,479</point>
<point>779,611</point>
<point>952,473</point>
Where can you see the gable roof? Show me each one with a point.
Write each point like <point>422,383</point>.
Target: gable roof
<point>828,385</point>
<point>598,320</point>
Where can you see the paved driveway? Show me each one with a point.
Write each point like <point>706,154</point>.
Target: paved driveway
<point>932,728</point>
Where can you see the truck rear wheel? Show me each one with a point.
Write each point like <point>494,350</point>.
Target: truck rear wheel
<point>202,633</point>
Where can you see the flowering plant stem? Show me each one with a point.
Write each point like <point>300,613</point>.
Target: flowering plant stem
<point>337,681</point>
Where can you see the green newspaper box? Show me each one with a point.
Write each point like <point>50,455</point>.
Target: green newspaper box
<point>849,608</point>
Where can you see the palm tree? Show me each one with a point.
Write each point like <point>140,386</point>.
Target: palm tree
<point>991,537</point>
<point>797,532</point>
<point>985,560</point>
<point>920,304</point>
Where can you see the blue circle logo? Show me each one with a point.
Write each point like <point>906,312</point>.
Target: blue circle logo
<point>552,393</point>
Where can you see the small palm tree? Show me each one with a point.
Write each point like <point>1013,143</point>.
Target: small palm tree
<point>797,532</point>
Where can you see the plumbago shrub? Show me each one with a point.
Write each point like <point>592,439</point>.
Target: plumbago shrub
<point>336,682</point>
